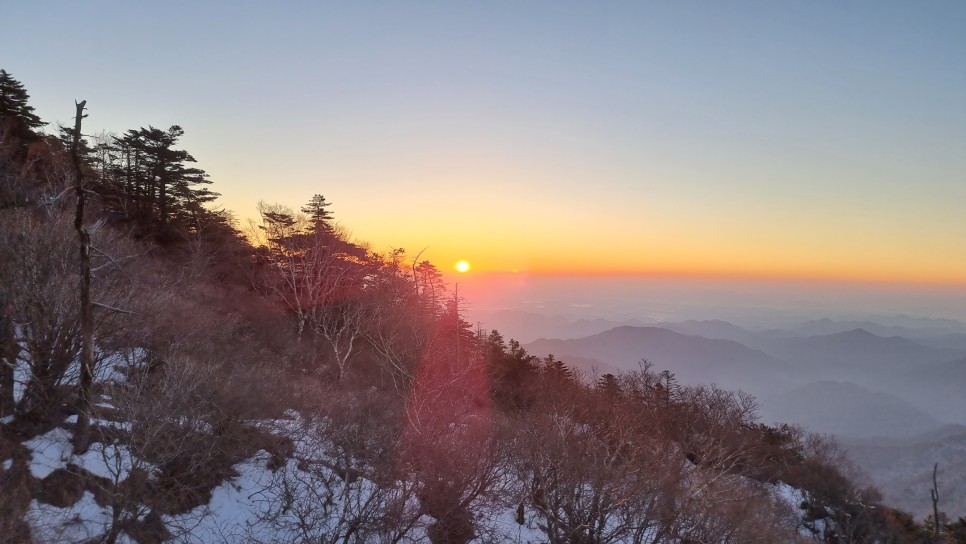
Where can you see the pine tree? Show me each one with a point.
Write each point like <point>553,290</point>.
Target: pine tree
<point>555,369</point>
<point>13,101</point>
<point>156,178</point>
<point>609,386</point>
<point>319,217</point>
<point>65,135</point>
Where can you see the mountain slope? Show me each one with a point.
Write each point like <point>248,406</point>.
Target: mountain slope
<point>723,330</point>
<point>902,469</point>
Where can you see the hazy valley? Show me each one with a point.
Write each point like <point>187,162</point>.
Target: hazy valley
<point>894,395</point>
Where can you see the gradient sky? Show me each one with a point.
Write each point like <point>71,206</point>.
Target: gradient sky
<point>791,139</point>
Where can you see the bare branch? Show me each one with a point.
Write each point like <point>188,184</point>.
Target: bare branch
<point>112,308</point>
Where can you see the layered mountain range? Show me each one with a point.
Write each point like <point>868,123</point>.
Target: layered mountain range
<point>893,393</point>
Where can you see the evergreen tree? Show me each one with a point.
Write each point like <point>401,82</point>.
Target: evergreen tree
<point>609,386</point>
<point>65,135</point>
<point>13,101</point>
<point>157,180</point>
<point>430,285</point>
<point>555,369</point>
<point>320,217</point>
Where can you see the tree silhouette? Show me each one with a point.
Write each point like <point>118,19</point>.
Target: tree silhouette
<point>319,216</point>
<point>13,101</point>
<point>158,181</point>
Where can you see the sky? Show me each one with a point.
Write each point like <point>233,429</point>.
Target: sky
<point>807,140</point>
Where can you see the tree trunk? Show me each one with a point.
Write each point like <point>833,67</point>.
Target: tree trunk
<point>8,359</point>
<point>934,494</point>
<point>82,434</point>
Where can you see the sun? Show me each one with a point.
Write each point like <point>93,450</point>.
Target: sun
<point>462,266</point>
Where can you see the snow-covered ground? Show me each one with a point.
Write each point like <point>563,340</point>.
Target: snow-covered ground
<point>268,500</point>
<point>243,508</point>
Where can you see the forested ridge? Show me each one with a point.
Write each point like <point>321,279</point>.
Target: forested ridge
<point>350,378</point>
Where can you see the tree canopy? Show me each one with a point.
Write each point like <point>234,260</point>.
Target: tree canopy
<point>13,101</point>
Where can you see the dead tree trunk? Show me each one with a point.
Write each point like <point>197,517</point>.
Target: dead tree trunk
<point>934,494</point>
<point>82,434</point>
<point>8,359</point>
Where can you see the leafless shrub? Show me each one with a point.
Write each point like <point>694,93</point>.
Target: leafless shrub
<point>638,459</point>
<point>341,484</point>
<point>39,278</point>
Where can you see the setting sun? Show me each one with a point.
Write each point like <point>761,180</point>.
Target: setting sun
<point>462,266</point>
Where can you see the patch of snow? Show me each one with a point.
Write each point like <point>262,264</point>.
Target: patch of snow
<point>49,452</point>
<point>234,510</point>
<point>790,495</point>
<point>504,528</point>
<point>111,461</point>
<point>6,419</point>
<point>81,522</point>
<point>111,424</point>
<point>21,376</point>
<point>7,464</point>
<point>71,374</point>
<point>53,450</point>
<point>109,369</point>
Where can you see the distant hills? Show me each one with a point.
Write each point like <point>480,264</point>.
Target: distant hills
<point>900,325</point>
<point>528,326</point>
<point>693,359</point>
<point>845,408</point>
<point>893,393</point>
<point>920,382</point>
<point>857,355</point>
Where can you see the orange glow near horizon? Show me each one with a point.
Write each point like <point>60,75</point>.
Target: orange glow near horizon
<point>538,240</point>
<point>702,244</point>
<point>778,273</point>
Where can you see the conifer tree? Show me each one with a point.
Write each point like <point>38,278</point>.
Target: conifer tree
<point>319,216</point>
<point>13,101</point>
<point>157,177</point>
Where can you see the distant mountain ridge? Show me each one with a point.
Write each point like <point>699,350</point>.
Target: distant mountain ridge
<point>528,326</point>
<point>901,325</point>
<point>693,359</point>
<point>845,408</point>
<point>885,391</point>
<point>857,354</point>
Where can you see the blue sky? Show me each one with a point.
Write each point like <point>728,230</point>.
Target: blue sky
<point>800,139</point>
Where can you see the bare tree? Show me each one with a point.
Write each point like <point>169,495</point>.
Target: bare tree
<point>590,475</point>
<point>37,271</point>
<point>934,495</point>
<point>341,484</point>
<point>400,327</point>
<point>622,463</point>
<point>450,447</point>
<point>8,358</point>
<point>318,275</point>
<point>81,434</point>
